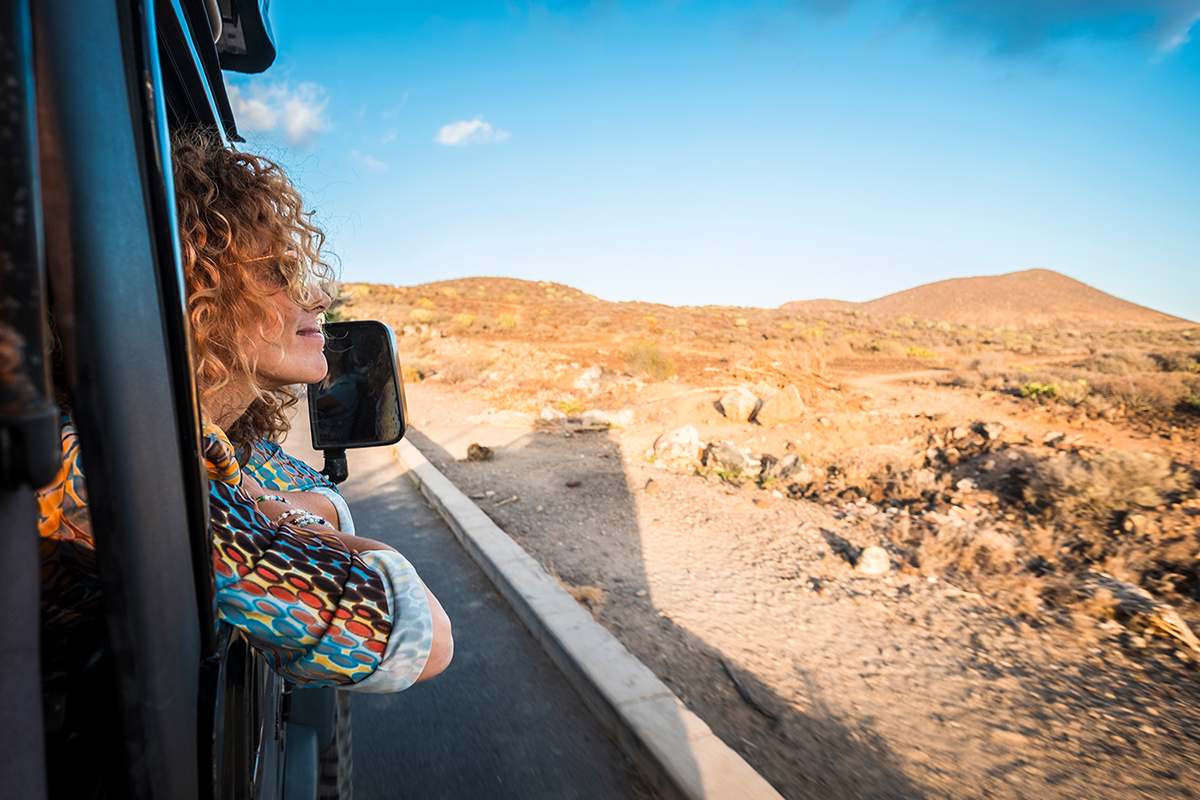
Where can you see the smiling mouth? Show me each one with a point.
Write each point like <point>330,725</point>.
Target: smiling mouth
<point>310,332</point>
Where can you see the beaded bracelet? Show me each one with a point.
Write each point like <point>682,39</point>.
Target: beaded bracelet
<point>309,519</point>
<point>274,497</point>
<point>293,512</point>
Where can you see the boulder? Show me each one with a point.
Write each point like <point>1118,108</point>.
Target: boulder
<point>589,381</point>
<point>993,430</point>
<point>552,415</point>
<point>727,456</point>
<point>873,560</point>
<point>479,452</point>
<point>599,418</point>
<point>678,445</point>
<point>783,407</point>
<point>738,405</point>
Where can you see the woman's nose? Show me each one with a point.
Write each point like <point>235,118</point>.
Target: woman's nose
<point>320,300</point>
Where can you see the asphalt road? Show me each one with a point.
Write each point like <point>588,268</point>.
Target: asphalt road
<point>501,721</point>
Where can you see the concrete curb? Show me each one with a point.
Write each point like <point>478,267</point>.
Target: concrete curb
<point>672,747</point>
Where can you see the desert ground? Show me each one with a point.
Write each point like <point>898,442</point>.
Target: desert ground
<point>880,556</point>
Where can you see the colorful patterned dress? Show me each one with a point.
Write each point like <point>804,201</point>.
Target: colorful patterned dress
<point>321,615</point>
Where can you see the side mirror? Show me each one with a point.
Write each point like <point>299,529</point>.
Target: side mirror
<point>360,403</point>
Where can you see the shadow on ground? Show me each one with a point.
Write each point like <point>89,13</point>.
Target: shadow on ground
<point>803,754</point>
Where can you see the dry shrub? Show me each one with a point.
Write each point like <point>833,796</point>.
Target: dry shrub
<point>892,469</point>
<point>1121,362</point>
<point>1177,362</point>
<point>983,559</point>
<point>1159,391</point>
<point>889,349</point>
<point>647,359</point>
<point>1094,492</point>
<point>461,369</point>
<point>987,365</point>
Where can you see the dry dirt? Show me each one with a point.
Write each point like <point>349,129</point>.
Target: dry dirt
<point>831,683</point>
<point>999,469</point>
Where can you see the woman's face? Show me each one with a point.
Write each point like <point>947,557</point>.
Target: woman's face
<point>292,352</point>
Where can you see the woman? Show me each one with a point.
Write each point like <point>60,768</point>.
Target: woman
<point>326,607</point>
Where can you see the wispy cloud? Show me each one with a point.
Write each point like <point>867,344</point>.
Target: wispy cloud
<point>368,161</point>
<point>390,136</point>
<point>297,114</point>
<point>395,110</point>
<point>464,132</point>
<point>1019,27</point>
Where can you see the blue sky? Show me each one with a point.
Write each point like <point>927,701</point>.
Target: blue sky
<point>744,153</point>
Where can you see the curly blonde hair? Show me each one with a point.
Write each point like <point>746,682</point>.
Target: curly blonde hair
<point>242,226</point>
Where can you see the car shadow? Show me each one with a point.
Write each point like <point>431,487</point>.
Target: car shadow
<point>565,498</point>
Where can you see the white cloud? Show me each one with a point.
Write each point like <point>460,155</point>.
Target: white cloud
<point>390,136</point>
<point>297,114</point>
<point>395,110</point>
<point>462,133</point>
<point>371,163</point>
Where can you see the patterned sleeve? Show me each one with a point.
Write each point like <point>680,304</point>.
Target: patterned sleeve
<point>70,581</point>
<point>321,615</point>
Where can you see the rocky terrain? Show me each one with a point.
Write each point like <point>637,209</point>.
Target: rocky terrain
<point>881,558</point>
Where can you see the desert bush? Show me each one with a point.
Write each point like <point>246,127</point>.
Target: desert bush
<point>889,349</point>
<point>421,314</point>
<point>1121,362</point>
<point>424,302</point>
<point>1035,390</point>
<point>506,322</point>
<point>1192,404</point>
<point>1176,362</point>
<point>894,470</point>
<point>1093,493</point>
<point>1149,392</point>
<point>989,365</point>
<point>967,553</point>
<point>460,369</point>
<point>920,352</point>
<point>647,358</point>
<point>466,320</point>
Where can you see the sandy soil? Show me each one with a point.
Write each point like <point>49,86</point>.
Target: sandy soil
<point>833,684</point>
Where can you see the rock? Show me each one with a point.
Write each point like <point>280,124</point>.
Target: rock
<point>652,487</point>
<point>788,466</point>
<point>992,430</point>
<point>574,484</point>
<point>783,407</point>
<point>678,445</point>
<point>726,456</point>
<point>952,456</point>
<point>1052,437</point>
<point>589,381</point>
<point>478,452</point>
<point>873,560</point>
<point>768,466</point>
<point>552,415</point>
<point>738,405</point>
<point>966,485</point>
<point>825,422</point>
<point>959,433</point>
<point>762,503</point>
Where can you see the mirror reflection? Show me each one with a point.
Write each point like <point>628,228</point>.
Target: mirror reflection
<point>360,403</point>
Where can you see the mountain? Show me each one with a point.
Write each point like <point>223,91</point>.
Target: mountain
<point>1034,298</point>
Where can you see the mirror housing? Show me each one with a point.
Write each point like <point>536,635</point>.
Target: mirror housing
<point>360,402</point>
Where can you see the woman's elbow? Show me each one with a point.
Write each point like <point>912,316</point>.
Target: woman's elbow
<point>442,651</point>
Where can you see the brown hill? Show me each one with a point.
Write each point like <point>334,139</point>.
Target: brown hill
<point>1035,298</point>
